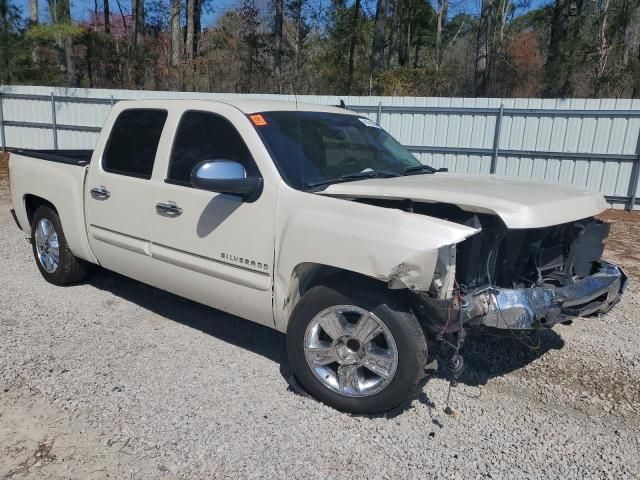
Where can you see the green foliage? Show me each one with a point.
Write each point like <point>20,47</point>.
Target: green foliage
<point>567,48</point>
<point>48,33</point>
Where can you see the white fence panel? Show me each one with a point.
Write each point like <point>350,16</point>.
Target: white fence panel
<point>589,143</point>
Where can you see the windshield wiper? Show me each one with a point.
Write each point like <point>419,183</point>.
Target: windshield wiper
<point>355,176</point>
<point>419,169</point>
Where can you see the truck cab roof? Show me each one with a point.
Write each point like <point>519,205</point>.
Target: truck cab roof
<point>246,106</point>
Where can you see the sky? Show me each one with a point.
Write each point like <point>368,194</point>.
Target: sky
<point>80,9</point>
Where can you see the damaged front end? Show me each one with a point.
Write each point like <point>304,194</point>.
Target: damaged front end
<point>520,279</point>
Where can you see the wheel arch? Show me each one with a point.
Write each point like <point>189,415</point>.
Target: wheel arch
<point>307,275</point>
<point>33,202</point>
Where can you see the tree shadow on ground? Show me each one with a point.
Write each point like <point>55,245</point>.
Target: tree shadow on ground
<point>486,355</point>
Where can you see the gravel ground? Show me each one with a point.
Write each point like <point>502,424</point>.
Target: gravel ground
<point>114,379</point>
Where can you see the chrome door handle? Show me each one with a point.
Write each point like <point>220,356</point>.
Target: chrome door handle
<point>168,209</point>
<point>100,193</point>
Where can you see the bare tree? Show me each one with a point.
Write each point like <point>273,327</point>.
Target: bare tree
<point>602,12</point>
<point>441,21</point>
<point>297,48</point>
<point>197,26</point>
<point>33,12</point>
<point>379,35</point>
<point>483,53</point>
<point>189,39</point>
<point>277,40</point>
<point>34,17</point>
<point>137,21</point>
<point>175,33</point>
<point>352,46</point>
<point>107,21</point>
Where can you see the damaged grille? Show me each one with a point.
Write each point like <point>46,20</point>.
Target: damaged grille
<point>546,257</point>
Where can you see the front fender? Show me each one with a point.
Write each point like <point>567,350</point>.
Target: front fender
<point>391,245</point>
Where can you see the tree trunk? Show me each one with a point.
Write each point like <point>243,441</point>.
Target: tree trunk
<point>556,68</point>
<point>277,41</point>
<point>404,44</point>
<point>34,17</point>
<point>441,18</point>
<point>297,49</point>
<point>5,75</point>
<point>483,65</point>
<point>188,45</point>
<point>67,43</point>
<point>352,46</point>
<point>603,43</point>
<point>107,22</point>
<point>379,35</point>
<point>60,13</point>
<point>197,26</point>
<point>395,27</point>
<point>188,75</point>
<point>137,21</point>
<point>33,12</point>
<point>175,33</point>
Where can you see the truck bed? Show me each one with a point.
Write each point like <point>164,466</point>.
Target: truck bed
<point>60,181</point>
<point>80,158</point>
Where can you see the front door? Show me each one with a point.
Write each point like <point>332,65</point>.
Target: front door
<point>214,248</point>
<point>119,194</point>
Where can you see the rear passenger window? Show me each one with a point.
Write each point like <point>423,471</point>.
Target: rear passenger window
<point>131,149</point>
<point>205,136</point>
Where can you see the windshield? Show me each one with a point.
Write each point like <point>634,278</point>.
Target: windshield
<point>313,149</point>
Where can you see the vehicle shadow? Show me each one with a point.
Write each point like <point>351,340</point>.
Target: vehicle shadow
<point>256,338</point>
<point>486,356</point>
<point>489,354</point>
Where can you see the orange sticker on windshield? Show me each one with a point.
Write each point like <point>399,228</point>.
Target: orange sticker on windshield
<point>258,120</point>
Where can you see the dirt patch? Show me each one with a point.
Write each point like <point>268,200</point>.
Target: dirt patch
<point>622,244</point>
<point>39,440</point>
<point>4,177</point>
<point>4,163</point>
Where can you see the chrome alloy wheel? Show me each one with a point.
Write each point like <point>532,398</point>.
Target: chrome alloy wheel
<point>350,350</point>
<point>47,245</point>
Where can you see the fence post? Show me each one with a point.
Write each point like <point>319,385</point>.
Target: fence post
<point>635,176</point>
<point>379,113</point>
<point>54,124</point>
<point>496,140</point>
<point>3,140</point>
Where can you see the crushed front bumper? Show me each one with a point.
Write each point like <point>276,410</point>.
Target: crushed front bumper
<point>538,307</point>
<point>525,308</point>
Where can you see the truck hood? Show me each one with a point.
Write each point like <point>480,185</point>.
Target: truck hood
<point>519,203</point>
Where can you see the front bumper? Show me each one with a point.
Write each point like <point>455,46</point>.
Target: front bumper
<point>538,307</point>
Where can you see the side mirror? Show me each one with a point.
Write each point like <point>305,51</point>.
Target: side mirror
<point>225,176</point>
<point>443,169</point>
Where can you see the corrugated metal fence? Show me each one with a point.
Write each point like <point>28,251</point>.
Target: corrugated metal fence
<point>590,143</point>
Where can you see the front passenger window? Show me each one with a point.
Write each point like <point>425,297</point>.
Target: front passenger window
<point>205,136</point>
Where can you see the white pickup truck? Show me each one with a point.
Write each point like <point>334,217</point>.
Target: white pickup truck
<point>314,221</point>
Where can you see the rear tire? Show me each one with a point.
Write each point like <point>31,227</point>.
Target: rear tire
<point>57,264</point>
<point>334,367</point>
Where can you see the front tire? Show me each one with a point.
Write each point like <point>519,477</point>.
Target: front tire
<point>57,264</point>
<point>357,347</point>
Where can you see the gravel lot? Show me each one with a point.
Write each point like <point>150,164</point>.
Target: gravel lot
<point>114,379</point>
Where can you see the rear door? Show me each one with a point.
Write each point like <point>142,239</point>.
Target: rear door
<point>119,193</point>
<point>215,248</point>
